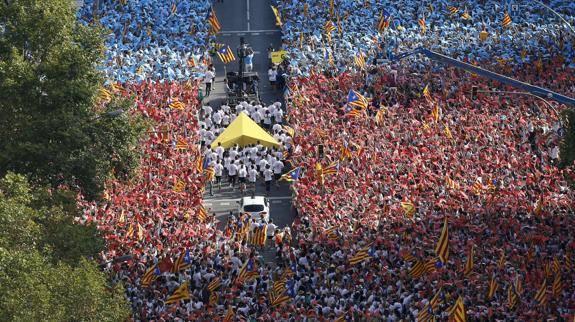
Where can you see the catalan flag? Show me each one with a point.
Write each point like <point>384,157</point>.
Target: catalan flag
<point>214,284</point>
<point>351,112</point>
<point>332,168</point>
<point>258,235</point>
<point>501,262</point>
<point>408,208</point>
<point>226,55</point>
<point>511,297</point>
<point>184,261</point>
<point>518,286</point>
<point>214,298</point>
<point>359,60</point>
<point>417,270</point>
<point>328,28</point>
<point>278,16</point>
<point>447,132</point>
<point>118,88</point>
<point>408,257</point>
<point>182,293</point>
<point>177,105</point>
<point>140,232</point>
<point>306,9</point>
<point>469,263</point>
<point>541,295</point>
<point>202,214</point>
<point>506,20</point>
<point>427,93</point>
<point>105,95</point>
<point>247,272</point>
<point>130,232</point>
<point>465,15</point>
<point>214,22</point>
<point>293,175</point>
<point>289,130</point>
<point>210,174</point>
<point>379,116</point>
<point>493,286</point>
<point>174,8</point>
<point>538,206</point>
<point>331,234</point>
<point>422,25</point>
<point>442,248</point>
<point>181,144</point>
<point>384,21</point>
<point>356,99</point>
<point>435,114</point>
<point>458,311</point>
<point>229,317</point>
<point>199,164</point>
<point>557,285</point>
<point>151,275</point>
<point>345,152</point>
<point>452,184</point>
<point>568,262</point>
<point>477,186</point>
<point>426,314</point>
<point>431,265</point>
<point>362,255</point>
<point>452,10</point>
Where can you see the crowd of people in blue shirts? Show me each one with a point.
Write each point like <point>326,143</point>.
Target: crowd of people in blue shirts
<point>452,27</point>
<point>151,39</point>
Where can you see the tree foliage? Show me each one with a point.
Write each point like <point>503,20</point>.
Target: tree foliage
<point>44,273</point>
<point>53,129</point>
<point>568,144</point>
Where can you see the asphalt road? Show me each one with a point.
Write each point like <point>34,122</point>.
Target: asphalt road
<point>255,21</point>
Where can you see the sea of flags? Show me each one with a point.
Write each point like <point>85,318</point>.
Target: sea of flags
<point>226,55</point>
<point>354,98</point>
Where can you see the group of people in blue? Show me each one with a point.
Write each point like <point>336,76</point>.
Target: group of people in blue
<point>452,27</point>
<point>151,39</point>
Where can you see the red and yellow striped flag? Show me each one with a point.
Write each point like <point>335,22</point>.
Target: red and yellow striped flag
<point>493,286</point>
<point>442,248</point>
<point>541,295</point>
<point>506,20</point>
<point>469,264</point>
<point>422,25</point>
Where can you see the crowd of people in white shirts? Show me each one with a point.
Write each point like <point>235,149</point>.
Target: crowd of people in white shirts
<point>242,166</point>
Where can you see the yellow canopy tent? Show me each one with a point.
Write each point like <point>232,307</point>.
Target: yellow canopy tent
<point>244,131</point>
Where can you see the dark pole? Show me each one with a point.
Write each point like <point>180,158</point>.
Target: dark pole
<point>241,51</point>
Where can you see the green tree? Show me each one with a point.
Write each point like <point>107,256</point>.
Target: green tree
<point>52,127</point>
<point>44,273</point>
<point>568,144</point>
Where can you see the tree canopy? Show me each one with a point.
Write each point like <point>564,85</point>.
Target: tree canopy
<point>54,130</point>
<point>44,273</point>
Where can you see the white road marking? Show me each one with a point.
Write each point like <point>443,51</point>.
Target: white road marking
<point>212,201</point>
<point>248,13</point>
<point>224,203</point>
<point>270,31</point>
<point>277,201</point>
<point>255,34</point>
<point>241,34</point>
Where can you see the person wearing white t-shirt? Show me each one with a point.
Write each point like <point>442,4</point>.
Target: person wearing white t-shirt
<point>242,174</point>
<point>278,167</point>
<point>278,115</point>
<point>252,176</point>
<point>268,176</point>
<point>225,120</point>
<point>271,230</point>
<point>232,173</point>
<point>220,150</point>
<point>257,117</point>
<point>218,170</point>
<point>262,165</point>
<point>277,128</point>
<point>208,79</point>
<point>217,118</point>
<point>267,120</point>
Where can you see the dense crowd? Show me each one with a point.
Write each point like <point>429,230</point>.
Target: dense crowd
<point>362,245</point>
<point>535,32</point>
<point>151,39</point>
